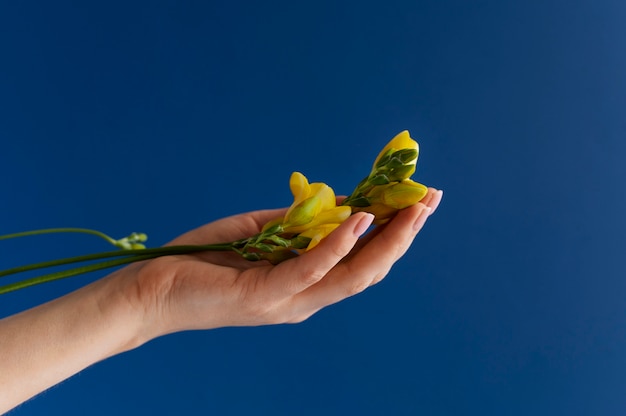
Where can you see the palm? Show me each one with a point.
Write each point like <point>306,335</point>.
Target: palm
<point>213,289</point>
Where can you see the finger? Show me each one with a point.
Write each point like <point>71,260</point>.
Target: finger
<point>432,199</point>
<point>435,199</point>
<point>367,266</point>
<point>294,276</point>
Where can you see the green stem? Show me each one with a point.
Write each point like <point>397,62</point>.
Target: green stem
<point>133,256</point>
<point>156,252</point>
<point>69,273</point>
<point>59,230</point>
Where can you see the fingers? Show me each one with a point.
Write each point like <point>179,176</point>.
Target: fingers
<point>371,262</point>
<point>432,199</point>
<point>294,276</point>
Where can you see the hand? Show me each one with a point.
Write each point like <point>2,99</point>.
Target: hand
<point>211,290</point>
<point>49,343</point>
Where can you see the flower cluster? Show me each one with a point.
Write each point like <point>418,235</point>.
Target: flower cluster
<point>388,188</point>
<point>313,215</point>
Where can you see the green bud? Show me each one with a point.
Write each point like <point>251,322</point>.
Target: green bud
<point>384,159</point>
<point>251,256</point>
<point>264,247</point>
<point>402,172</point>
<point>381,179</point>
<point>406,155</point>
<point>274,229</point>
<point>279,241</point>
<point>394,163</point>
<point>138,237</point>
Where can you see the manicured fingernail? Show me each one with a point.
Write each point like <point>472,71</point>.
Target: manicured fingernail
<point>363,225</point>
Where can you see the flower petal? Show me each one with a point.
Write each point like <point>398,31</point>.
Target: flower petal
<point>326,195</point>
<point>318,233</point>
<point>401,141</point>
<point>300,188</point>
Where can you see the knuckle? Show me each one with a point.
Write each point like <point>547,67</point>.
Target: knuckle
<point>341,250</point>
<point>379,276</point>
<point>311,276</point>
<point>394,245</point>
<point>357,287</point>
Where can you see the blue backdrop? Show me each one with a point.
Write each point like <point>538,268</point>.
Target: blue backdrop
<point>160,116</point>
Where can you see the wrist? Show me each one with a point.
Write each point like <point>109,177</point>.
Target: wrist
<point>118,299</point>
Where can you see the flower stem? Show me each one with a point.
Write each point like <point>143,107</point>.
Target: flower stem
<point>60,230</point>
<point>154,252</point>
<point>72,272</point>
<point>131,256</point>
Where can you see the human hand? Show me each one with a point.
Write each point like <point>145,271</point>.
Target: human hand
<point>210,290</point>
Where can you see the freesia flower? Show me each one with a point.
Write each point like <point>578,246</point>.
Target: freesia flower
<point>314,212</point>
<point>388,188</point>
<point>312,216</point>
<point>386,200</point>
<point>398,158</point>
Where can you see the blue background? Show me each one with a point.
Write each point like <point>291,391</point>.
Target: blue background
<point>161,116</point>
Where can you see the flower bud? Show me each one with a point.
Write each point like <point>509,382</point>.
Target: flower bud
<point>403,194</point>
<point>382,213</point>
<point>335,215</point>
<point>399,143</point>
<point>386,200</point>
<point>303,213</point>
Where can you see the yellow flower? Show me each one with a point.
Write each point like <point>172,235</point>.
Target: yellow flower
<point>317,234</point>
<point>403,194</point>
<point>405,149</point>
<point>314,212</point>
<point>387,200</point>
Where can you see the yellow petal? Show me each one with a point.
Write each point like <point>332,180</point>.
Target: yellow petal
<point>335,215</point>
<point>325,194</point>
<point>317,234</point>
<point>299,186</point>
<point>300,189</point>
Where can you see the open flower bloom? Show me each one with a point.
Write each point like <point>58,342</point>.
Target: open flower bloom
<point>314,213</point>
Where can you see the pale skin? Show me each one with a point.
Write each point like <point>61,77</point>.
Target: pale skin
<point>42,346</point>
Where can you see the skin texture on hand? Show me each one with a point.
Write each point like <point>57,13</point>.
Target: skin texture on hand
<point>211,290</point>
<point>49,343</point>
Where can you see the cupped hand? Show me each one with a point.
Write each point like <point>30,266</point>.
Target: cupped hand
<point>211,290</point>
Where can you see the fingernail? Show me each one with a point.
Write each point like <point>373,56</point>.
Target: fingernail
<point>363,225</point>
